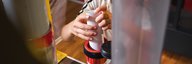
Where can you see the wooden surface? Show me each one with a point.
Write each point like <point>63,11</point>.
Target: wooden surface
<point>75,48</point>
<point>173,58</point>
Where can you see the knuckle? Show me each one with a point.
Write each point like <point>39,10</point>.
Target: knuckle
<point>101,16</point>
<point>87,27</point>
<point>96,19</point>
<point>81,26</point>
<point>104,21</point>
<point>89,33</point>
<point>84,37</point>
<point>73,30</point>
<point>86,32</point>
<point>90,27</point>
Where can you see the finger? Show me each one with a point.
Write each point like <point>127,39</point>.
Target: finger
<point>84,37</point>
<point>104,23</point>
<point>103,15</point>
<point>81,36</point>
<point>85,32</point>
<point>84,26</point>
<point>101,8</point>
<point>99,18</point>
<point>105,28</point>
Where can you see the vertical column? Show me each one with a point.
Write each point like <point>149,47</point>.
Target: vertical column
<point>138,31</point>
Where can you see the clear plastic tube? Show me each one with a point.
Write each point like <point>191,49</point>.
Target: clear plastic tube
<point>138,31</point>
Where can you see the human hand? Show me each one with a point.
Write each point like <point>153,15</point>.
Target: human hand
<point>81,29</point>
<point>104,17</point>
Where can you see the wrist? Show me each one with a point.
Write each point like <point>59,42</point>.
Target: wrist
<point>67,32</point>
<point>70,28</point>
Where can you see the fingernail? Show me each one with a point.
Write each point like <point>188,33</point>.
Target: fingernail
<point>95,27</point>
<point>101,12</point>
<point>90,38</point>
<point>94,34</point>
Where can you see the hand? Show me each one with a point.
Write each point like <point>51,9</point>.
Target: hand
<point>81,29</point>
<point>104,17</point>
